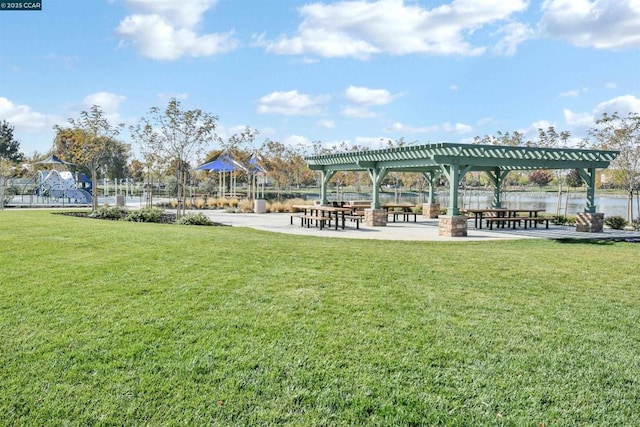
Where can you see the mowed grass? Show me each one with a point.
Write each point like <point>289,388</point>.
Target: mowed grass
<point>116,323</point>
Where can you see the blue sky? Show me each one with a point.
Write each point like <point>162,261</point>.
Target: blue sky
<point>335,71</point>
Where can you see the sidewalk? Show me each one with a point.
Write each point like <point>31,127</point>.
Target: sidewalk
<point>422,230</point>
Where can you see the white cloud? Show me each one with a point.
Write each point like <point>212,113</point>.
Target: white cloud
<point>515,33</point>
<point>165,30</point>
<point>367,97</point>
<point>453,88</point>
<point>361,28</point>
<point>291,103</point>
<point>370,142</point>
<point>179,12</point>
<point>108,102</point>
<point>24,119</point>
<point>327,124</point>
<point>623,105</point>
<point>610,85</point>
<point>295,140</point>
<point>601,24</point>
<point>578,119</point>
<point>358,112</point>
<point>572,92</point>
<point>168,96</point>
<point>446,127</point>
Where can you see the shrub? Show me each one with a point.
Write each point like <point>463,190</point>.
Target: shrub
<point>233,202</point>
<point>616,222</point>
<point>194,219</point>
<point>109,212</point>
<point>246,206</point>
<point>200,203</point>
<point>212,202</point>
<point>148,214</point>
<point>559,219</point>
<point>277,207</point>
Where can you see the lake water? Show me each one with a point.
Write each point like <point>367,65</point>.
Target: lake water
<point>576,202</point>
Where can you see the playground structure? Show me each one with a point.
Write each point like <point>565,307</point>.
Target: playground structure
<point>64,186</point>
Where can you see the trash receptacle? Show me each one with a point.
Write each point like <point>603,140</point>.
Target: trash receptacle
<point>260,206</point>
<point>120,200</point>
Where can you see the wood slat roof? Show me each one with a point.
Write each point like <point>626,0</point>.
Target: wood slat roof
<point>423,158</point>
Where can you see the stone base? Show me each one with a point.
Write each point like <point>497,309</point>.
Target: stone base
<point>375,217</point>
<point>452,225</point>
<point>590,222</point>
<point>430,210</point>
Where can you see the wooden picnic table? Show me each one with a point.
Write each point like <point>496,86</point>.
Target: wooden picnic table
<point>400,210</point>
<point>326,211</point>
<point>479,214</point>
<point>404,207</point>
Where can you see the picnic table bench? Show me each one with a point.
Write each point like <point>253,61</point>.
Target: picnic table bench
<point>307,220</point>
<point>404,214</point>
<point>501,221</point>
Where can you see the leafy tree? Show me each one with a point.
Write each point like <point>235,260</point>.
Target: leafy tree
<point>614,132</point>
<point>551,138</point>
<point>177,136</point>
<point>9,146</point>
<point>145,137</point>
<point>541,177</point>
<point>276,156</point>
<point>89,141</point>
<point>573,179</point>
<point>515,139</point>
<point>9,155</point>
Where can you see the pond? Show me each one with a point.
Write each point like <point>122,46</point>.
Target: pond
<point>610,205</point>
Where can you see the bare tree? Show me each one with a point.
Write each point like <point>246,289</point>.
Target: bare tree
<point>178,136</point>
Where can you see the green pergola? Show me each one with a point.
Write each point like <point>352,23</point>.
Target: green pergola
<point>455,160</point>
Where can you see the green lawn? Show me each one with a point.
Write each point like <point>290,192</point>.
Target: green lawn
<point>116,323</point>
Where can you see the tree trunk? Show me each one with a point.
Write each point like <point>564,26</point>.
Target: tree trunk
<point>559,200</point>
<point>94,189</point>
<point>3,184</point>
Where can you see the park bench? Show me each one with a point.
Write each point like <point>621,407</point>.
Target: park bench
<point>309,219</point>
<point>535,221</point>
<point>404,214</point>
<point>355,218</point>
<point>502,221</point>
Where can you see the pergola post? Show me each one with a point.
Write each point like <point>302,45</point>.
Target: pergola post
<point>326,177</point>
<point>589,221</point>
<point>497,176</point>
<point>375,216</point>
<point>453,224</point>
<point>454,174</point>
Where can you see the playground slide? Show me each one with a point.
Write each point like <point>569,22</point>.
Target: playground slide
<point>72,195</point>
<point>61,185</point>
